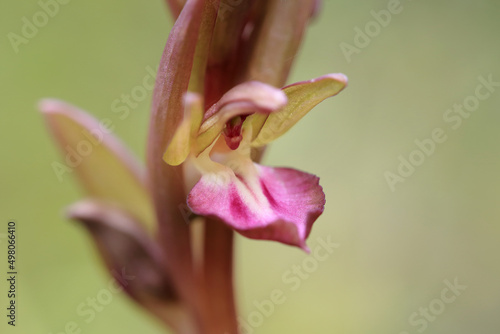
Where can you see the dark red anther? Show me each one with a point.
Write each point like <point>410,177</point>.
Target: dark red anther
<point>232,132</point>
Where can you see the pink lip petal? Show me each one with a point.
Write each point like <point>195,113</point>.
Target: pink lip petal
<point>279,204</point>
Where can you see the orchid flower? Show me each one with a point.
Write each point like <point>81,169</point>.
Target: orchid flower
<point>216,105</point>
<point>259,202</point>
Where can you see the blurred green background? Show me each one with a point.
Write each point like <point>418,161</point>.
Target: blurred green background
<point>396,248</point>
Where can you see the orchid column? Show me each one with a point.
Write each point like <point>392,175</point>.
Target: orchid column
<point>217,103</point>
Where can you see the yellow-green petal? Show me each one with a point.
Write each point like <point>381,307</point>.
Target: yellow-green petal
<point>302,97</point>
<point>180,146</point>
<point>104,166</point>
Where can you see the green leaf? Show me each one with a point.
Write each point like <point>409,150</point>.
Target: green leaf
<point>104,166</point>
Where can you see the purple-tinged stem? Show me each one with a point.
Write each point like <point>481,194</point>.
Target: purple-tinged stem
<point>218,276</point>
<point>166,182</point>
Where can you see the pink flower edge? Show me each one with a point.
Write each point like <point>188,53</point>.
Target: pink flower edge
<point>279,204</point>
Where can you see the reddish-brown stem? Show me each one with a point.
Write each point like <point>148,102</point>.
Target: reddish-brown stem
<point>167,182</point>
<point>218,277</point>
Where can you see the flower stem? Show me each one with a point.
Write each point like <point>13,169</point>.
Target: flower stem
<point>218,277</point>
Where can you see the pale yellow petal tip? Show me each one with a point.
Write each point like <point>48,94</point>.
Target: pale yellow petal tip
<point>179,147</point>
<point>172,160</point>
<point>339,77</point>
<point>176,152</point>
<point>49,105</point>
<point>77,209</point>
<point>306,249</point>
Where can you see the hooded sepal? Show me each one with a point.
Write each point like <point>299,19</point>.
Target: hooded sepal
<point>246,99</point>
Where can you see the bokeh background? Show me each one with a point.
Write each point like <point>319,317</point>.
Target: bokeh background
<point>395,248</point>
